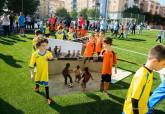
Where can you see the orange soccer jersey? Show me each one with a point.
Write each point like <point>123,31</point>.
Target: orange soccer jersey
<point>89,49</point>
<point>98,45</point>
<point>109,59</point>
<point>83,32</point>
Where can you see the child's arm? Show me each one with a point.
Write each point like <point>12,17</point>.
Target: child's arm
<point>50,56</point>
<point>31,66</point>
<point>91,76</point>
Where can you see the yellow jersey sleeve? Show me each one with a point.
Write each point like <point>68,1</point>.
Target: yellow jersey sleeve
<point>138,84</point>
<point>32,61</point>
<point>49,55</point>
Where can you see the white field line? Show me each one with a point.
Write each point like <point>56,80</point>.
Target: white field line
<point>130,51</point>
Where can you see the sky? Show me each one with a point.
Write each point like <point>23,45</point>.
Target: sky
<point>162,2</point>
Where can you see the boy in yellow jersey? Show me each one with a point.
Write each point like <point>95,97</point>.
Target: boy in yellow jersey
<point>140,88</point>
<point>40,58</point>
<point>60,34</point>
<point>35,40</point>
<point>71,34</point>
<point>47,31</point>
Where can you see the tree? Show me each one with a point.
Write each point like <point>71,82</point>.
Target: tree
<point>62,12</point>
<point>2,2</point>
<point>84,12</point>
<point>93,13</point>
<point>73,14</point>
<point>134,10</point>
<point>29,6</point>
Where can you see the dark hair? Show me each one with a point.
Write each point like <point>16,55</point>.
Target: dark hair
<point>108,40</point>
<point>86,69</point>
<point>78,66</point>
<point>157,52</point>
<point>60,28</point>
<point>37,32</point>
<point>41,41</point>
<point>67,65</point>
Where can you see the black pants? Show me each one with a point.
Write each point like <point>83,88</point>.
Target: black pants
<point>121,35</point>
<point>159,38</point>
<point>133,31</point>
<point>66,78</point>
<point>46,90</point>
<point>115,32</point>
<point>6,30</point>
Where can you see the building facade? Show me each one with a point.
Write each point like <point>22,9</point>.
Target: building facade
<point>151,6</point>
<point>162,11</point>
<point>48,7</point>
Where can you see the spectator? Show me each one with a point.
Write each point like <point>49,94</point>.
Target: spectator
<point>6,24</point>
<point>21,22</point>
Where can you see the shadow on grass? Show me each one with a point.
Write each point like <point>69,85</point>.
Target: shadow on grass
<point>11,40</point>
<point>8,59</point>
<point>158,112</point>
<point>119,85</point>
<point>131,39</point>
<point>93,96</point>
<point>95,107</point>
<point>6,108</point>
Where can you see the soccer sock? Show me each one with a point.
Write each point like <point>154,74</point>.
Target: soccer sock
<point>37,86</point>
<point>47,92</point>
<point>106,85</point>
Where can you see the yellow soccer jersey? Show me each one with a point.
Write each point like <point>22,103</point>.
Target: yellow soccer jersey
<point>41,65</point>
<point>60,36</point>
<point>47,31</point>
<point>70,36</point>
<point>139,89</point>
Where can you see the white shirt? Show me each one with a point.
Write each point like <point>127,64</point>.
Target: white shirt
<point>5,21</point>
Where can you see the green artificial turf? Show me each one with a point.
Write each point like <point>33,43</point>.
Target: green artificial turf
<point>16,88</point>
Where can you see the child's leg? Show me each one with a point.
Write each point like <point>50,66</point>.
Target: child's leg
<point>79,78</point>
<point>70,79</point>
<point>47,92</point>
<point>50,101</point>
<point>106,82</point>
<point>102,83</point>
<point>106,86</point>
<point>65,80</point>
<point>37,87</point>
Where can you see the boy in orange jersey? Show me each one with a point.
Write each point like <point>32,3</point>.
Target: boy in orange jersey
<point>83,31</point>
<point>89,49</point>
<point>109,59</point>
<point>99,43</point>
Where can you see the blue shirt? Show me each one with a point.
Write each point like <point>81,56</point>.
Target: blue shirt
<point>21,20</point>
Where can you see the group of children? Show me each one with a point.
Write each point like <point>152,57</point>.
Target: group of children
<point>140,87</point>
<point>78,75</point>
<point>61,32</point>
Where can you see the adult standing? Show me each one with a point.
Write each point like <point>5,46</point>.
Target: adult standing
<point>16,22</point>
<point>52,20</point>
<point>6,24</point>
<point>103,25</point>
<point>11,18</point>
<point>21,22</point>
<point>134,28</point>
<point>81,21</point>
<point>28,20</point>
